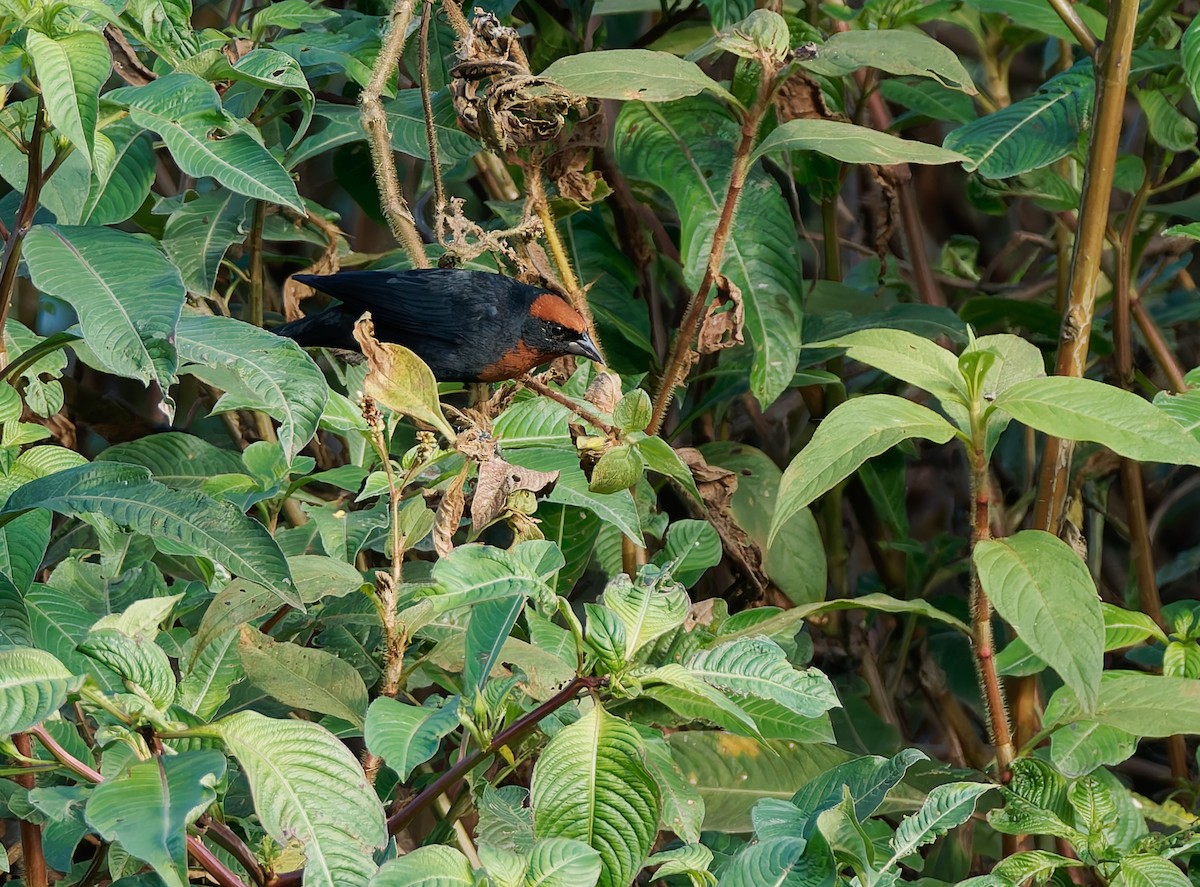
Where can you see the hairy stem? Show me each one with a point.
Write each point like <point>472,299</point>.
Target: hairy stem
<point>395,208</point>
<point>435,166</point>
<point>694,313</point>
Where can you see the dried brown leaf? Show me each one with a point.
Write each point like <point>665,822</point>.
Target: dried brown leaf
<point>449,513</point>
<point>724,319</point>
<point>499,479</point>
<point>604,392</point>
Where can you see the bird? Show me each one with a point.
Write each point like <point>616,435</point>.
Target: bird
<point>467,326</point>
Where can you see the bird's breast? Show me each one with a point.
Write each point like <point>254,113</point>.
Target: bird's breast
<point>514,363</point>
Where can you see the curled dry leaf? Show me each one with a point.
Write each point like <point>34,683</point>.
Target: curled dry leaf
<point>724,319</point>
<point>497,481</point>
<point>329,262</point>
<point>399,379</point>
<point>476,443</point>
<point>604,392</point>
<point>449,513</point>
<point>800,98</point>
<point>717,486</point>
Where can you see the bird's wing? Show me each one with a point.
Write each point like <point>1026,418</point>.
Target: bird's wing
<point>431,305</point>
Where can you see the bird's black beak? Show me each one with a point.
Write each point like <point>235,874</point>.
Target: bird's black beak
<point>585,347</point>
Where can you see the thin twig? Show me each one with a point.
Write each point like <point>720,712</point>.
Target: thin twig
<point>435,166</point>
<point>1066,11</point>
<point>582,412</point>
<point>694,313</point>
<point>29,202</point>
<point>395,208</point>
<point>256,263</point>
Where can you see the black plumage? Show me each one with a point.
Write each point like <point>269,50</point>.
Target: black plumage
<point>468,326</point>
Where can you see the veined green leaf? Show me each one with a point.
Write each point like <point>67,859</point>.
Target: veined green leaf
<point>179,520</point>
<point>205,141</point>
<point>590,784</point>
<point>33,685</point>
<point>852,144</point>
<point>127,295</point>
<point>71,69</point>
<point>686,148</point>
<point>257,370</point>
<point>632,74</point>
<point>308,786</point>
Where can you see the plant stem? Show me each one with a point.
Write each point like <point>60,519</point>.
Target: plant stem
<point>1066,11</point>
<point>24,220</point>
<point>256,263</point>
<point>402,817</point>
<point>560,398</point>
<point>374,119</point>
<point>694,313</point>
<point>1113,73</point>
<point>395,638</point>
<point>36,874</point>
<point>435,166</point>
<point>216,869</point>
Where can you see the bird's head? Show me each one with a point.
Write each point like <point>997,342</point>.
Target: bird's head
<point>555,328</point>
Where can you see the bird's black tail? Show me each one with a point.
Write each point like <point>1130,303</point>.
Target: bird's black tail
<point>331,328</point>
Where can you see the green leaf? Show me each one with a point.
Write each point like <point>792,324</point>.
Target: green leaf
<point>646,610</point>
<point>141,663</point>
<point>127,295</point>
<point>488,627</point>
<point>1081,409</point>
<point>308,786</point>
<point>302,677</point>
<point>475,573</point>
<point>852,433</point>
<point>692,546</point>
<point>791,619</point>
<point>562,862</point>
<point>1148,870</point>
<point>1141,704</point>
<point>257,370</point>
<point>1040,16</point>
<point>867,779</point>
<point>734,772</point>
<point>205,141</point>
<point>33,685</point>
<point>1168,126</point>
<point>892,50</point>
<point>208,677</point>
<point>1042,589</point>
<point>199,233</point>
<point>188,521</point>
<point>1190,54</point>
<point>179,460</point>
<point>782,861</point>
<point>929,99</point>
<point>271,69</point>
<point>71,70</point>
<point>23,545</point>
<point>634,411</point>
<point>947,806</point>
<point>660,457</point>
<point>758,668</point>
<point>148,808</point>
<point>691,696</point>
<point>632,74</point>
<point>121,185</point>
<point>1079,748</point>
<point>851,144</point>
<point>572,488</point>
<point>906,356</point>
<point>590,784</point>
<point>432,866</point>
<point>406,736</point>
<point>1031,133</point>
<point>686,149</point>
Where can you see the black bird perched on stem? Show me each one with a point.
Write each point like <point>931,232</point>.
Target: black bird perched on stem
<point>468,326</point>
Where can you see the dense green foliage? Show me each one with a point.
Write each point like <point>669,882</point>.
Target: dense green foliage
<point>843,571</point>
